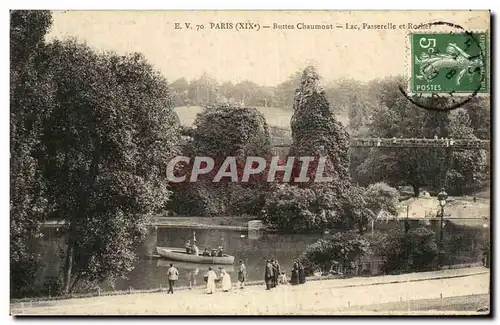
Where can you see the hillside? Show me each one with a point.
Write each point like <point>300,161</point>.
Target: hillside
<point>274,116</point>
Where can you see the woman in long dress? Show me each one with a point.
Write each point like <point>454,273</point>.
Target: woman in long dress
<point>295,274</point>
<point>226,281</point>
<point>302,274</point>
<point>211,277</point>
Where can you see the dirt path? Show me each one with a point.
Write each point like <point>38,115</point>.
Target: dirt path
<point>328,297</point>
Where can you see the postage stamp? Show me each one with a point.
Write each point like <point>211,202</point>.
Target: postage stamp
<point>449,63</point>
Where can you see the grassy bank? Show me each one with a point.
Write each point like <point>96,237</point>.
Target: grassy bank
<point>464,303</point>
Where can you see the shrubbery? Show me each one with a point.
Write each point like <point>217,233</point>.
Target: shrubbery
<point>294,209</point>
<point>338,252</point>
<point>343,250</point>
<point>416,251</point>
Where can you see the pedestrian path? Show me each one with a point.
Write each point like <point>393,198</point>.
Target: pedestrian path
<point>324,297</point>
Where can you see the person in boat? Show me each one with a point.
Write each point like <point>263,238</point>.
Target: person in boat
<point>173,275</point>
<point>214,253</point>
<point>277,272</point>
<point>295,273</point>
<point>220,251</point>
<point>206,252</point>
<point>211,276</point>
<point>195,250</point>
<point>268,275</point>
<point>302,273</point>
<point>242,275</point>
<point>188,247</point>
<point>225,279</point>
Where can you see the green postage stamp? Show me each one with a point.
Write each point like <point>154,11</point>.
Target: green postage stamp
<point>449,63</point>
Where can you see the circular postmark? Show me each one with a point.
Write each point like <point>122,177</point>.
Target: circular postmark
<point>445,67</point>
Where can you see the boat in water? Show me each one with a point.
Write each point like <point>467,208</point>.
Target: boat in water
<point>179,254</point>
<point>163,262</point>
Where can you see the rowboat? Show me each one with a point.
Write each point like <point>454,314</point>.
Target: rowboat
<point>179,254</point>
<point>162,262</point>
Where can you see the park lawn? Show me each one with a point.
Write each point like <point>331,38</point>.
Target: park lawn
<point>462,303</point>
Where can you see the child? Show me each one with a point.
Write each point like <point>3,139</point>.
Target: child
<point>282,278</point>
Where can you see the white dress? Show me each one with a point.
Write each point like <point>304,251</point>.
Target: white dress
<point>226,281</point>
<point>211,277</point>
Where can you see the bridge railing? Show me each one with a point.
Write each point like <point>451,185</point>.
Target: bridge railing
<point>413,143</point>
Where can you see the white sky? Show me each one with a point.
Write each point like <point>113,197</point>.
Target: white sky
<point>266,57</point>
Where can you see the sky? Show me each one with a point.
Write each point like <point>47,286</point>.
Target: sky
<point>268,56</point>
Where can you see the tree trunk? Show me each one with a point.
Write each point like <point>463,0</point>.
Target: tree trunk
<point>73,285</point>
<point>416,190</point>
<point>68,266</point>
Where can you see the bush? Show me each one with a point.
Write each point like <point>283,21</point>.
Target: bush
<point>294,209</point>
<point>290,209</point>
<point>415,252</point>
<point>339,252</point>
<point>380,196</point>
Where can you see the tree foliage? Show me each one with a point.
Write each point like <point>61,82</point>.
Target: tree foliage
<point>105,147</point>
<point>414,252</point>
<point>291,208</point>
<point>219,132</point>
<point>30,103</point>
<point>396,117</point>
<point>380,196</point>
<point>468,170</point>
<point>340,250</point>
<point>316,132</point>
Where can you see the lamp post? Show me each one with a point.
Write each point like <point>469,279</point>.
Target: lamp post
<point>442,196</point>
<point>407,228</point>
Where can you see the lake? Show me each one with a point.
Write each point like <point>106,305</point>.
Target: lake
<point>150,272</point>
<point>463,244</point>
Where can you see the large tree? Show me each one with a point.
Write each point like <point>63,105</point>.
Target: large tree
<point>316,132</point>
<point>396,117</point>
<point>468,168</point>
<point>30,102</point>
<point>479,111</point>
<point>106,145</point>
<point>222,131</point>
<point>307,206</point>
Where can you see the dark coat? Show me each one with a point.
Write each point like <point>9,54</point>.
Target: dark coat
<point>269,276</point>
<point>294,280</point>
<point>269,273</point>
<point>302,274</point>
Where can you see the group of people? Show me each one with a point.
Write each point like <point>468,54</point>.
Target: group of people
<point>298,273</point>
<point>224,279</point>
<point>194,250</point>
<point>215,252</point>
<point>273,275</point>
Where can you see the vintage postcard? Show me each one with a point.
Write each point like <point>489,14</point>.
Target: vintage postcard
<point>250,162</point>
